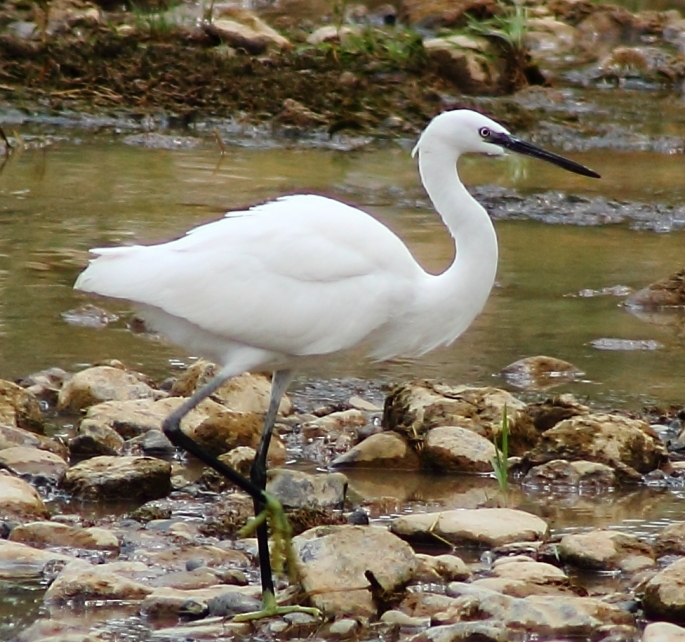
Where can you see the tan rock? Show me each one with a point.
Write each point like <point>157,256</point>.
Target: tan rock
<point>333,423</point>
<point>244,30</point>
<point>480,526</point>
<point>164,602</point>
<point>606,550</point>
<point>521,576</point>
<point>540,372</point>
<point>384,449</point>
<point>11,436</point>
<point>80,580</point>
<point>664,596</point>
<point>297,489</point>
<point>451,448</point>
<point>19,408</point>
<point>334,562</point>
<point>542,614</point>
<point>19,560</point>
<point>32,462</point>
<point>114,478</point>
<point>414,408</point>
<point>19,500</point>
<point>103,383</point>
<point>563,473</point>
<point>44,534</point>
<point>671,540</point>
<point>665,293</point>
<point>94,438</point>
<point>663,632</point>
<point>249,392</point>
<point>441,568</point>
<point>629,446</point>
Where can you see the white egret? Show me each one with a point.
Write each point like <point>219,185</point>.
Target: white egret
<point>304,277</point>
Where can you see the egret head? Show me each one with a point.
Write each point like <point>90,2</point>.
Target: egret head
<point>463,131</point>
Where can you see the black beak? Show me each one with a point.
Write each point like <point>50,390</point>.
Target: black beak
<point>522,147</point>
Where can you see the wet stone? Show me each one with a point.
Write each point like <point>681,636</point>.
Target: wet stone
<point>19,560</point>
<point>248,393</point>
<point>476,527</point>
<point>671,540</point>
<point>402,620</point>
<point>560,473</point>
<point>115,478</point>
<point>232,603</point>
<point>164,602</point>
<point>540,373</point>
<point>11,436</point>
<point>81,581</point>
<point>451,448</point>
<point>521,576</point>
<point>550,412</point>
<point>382,450</point>
<point>19,500</point>
<point>44,534</point>
<point>414,408</point>
<point>606,550</point>
<point>19,408</point>
<point>629,446</point>
<point>664,596</point>
<point>441,568</point>
<point>93,438</point>
<point>663,632</point>
<point>665,293</point>
<point>335,563</point>
<point>103,383</point>
<point>465,631</point>
<point>33,463</point>
<point>296,489</point>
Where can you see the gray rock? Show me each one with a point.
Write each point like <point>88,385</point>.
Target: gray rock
<point>153,443</point>
<point>165,602</point>
<point>398,618</point>
<point>338,565</point>
<point>343,629</point>
<point>451,448</point>
<point>231,603</point>
<point>114,478</point>
<point>481,526</point>
<point>296,489</point>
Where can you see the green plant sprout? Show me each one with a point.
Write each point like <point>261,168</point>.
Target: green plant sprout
<point>500,462</point>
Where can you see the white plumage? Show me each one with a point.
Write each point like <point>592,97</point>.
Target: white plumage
<point>304,277</point>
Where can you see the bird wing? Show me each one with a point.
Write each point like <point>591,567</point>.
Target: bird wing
<point>301,275</point>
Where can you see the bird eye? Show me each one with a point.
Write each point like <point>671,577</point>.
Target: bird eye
<point>484,132</point>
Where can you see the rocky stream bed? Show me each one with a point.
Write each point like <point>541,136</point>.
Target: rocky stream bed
<point>108,534</point>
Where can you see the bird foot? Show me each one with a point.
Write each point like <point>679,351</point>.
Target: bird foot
<point>272,609</point>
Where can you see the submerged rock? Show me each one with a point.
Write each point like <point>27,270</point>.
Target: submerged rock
<point>19,560</point>
<point>119,478</point>
<point>560,473</point>
<point>665,293</point>
<point>540,373</point>
<point>414,408</point>
<point>476,527</point>
<point>342,571</point>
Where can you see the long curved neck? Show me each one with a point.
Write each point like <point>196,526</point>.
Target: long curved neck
<point>456,296</point>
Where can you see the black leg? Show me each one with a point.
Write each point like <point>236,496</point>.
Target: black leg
<point>279,384</point>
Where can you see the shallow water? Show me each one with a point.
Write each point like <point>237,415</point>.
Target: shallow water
<point>96,191</point>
